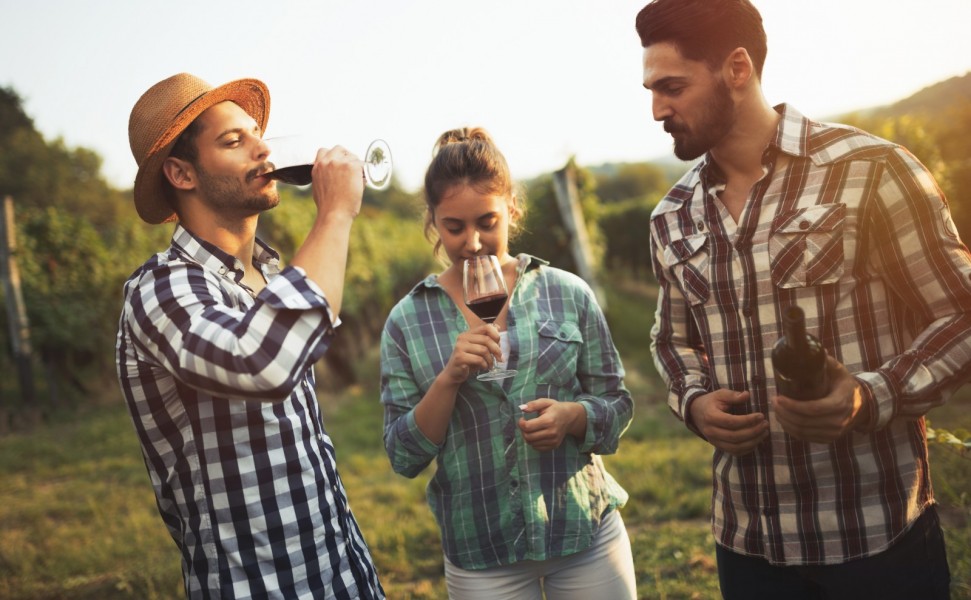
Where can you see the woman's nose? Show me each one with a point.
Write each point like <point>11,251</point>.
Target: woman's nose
<point>473,242</point>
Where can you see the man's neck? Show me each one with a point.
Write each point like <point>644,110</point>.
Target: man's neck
<point>238,243</point>
<point>739,155</point>
<point>239,239</point>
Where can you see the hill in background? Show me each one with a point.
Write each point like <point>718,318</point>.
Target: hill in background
<point>934,101</point>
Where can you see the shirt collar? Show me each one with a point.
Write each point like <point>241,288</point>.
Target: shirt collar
<point>792,137</point>
<point>215,259</point>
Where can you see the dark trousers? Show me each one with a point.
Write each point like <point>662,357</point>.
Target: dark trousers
<point>915,567</point>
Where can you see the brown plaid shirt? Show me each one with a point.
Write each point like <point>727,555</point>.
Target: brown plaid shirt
<point>855,231</point>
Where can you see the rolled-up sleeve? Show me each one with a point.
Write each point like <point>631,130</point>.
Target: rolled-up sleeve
<point>181,318</point>
<point>606,400</point>
<point>408,449</point>
<point>675,345</point>
<point>919,254</point>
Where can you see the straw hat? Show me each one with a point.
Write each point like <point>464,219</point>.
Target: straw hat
<point>163,113</point>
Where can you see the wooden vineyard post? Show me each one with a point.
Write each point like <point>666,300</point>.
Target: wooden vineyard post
<point>16,311</point>
<point>568,202</point>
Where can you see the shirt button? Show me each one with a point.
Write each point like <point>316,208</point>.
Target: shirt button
<point>700,225</point>
<point>747,311</point>
<point>514,484</point>
<point>804,225</point>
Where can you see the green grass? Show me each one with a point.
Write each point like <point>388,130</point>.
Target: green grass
<point>78,518</point>
<point>77,514</point>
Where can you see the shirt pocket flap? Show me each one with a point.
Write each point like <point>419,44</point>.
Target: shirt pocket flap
<point>558,344</point>
<point>564,331</point>
<point>680,250</point>
<point>813,219</point>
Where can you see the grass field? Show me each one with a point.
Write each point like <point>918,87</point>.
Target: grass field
<point>78,518</point>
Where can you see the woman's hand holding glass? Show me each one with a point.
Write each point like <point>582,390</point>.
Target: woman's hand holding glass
<point>475,350</point>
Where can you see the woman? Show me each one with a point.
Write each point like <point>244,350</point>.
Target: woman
<point>520,494</point>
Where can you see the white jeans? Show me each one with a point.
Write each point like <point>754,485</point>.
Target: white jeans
<point>605,570</point>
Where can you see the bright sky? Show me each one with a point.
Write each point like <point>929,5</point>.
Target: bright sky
<point>548,78</point>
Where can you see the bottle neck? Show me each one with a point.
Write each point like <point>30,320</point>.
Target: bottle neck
<point>794,327</point>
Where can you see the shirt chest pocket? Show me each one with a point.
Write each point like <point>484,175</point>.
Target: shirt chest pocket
<point>806,246</point>
<point>688,260</point>
<point>559,350</point>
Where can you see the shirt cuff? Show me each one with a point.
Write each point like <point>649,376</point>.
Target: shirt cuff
<point>415,440</point>
<point>690,395</point>
<point>878,398</point>
<point>591,436</point>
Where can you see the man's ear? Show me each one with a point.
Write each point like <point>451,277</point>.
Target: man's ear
<point>180,173</point>
<point>738,68</point>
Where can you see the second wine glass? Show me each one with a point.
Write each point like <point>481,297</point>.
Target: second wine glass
<point>484,292</point>
<point>292,157</point>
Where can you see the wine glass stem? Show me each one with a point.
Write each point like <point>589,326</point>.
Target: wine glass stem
<point>495,360</point>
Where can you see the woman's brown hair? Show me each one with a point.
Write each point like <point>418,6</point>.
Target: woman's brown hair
<point>468,156</point>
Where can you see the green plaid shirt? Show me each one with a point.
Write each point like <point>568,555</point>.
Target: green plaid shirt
<point>496,499</point>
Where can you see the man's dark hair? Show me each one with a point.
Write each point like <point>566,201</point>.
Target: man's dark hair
<point>185,145</point>
<point>705,30</point>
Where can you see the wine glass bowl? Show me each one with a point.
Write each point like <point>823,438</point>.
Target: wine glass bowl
<point>484,292</point>
<point>377,165</point>
<point>291,159</point>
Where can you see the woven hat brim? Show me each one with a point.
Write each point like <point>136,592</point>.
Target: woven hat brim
<point>151,203</point>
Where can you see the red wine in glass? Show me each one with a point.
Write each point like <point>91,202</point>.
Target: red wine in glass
<point>484,292</point>
<point>487,308</point>
<point>296,175</point>
<point>292,156</point>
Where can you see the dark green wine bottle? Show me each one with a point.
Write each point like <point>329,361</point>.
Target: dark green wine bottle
<point>799,360</point>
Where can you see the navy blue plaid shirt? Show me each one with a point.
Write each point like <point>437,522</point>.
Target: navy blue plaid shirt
<point>220,386</point>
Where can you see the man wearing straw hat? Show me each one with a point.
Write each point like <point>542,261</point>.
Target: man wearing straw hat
<point>216,346</point>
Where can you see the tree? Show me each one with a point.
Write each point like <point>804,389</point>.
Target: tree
<point>625,226</point>
<point>79,239</point>
<point>68,271</point>
<point>628,194</point>
<point>954,146</point>
<point>631,181</point>
<point>388,255</point>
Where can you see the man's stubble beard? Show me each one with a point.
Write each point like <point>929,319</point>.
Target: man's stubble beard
<point>225,194</point>
<point>716,121</point>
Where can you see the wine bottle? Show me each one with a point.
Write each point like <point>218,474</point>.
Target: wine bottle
<point>799,359</point>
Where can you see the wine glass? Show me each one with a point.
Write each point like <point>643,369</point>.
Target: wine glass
<point>484,292</point>
<point>292,157</point>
